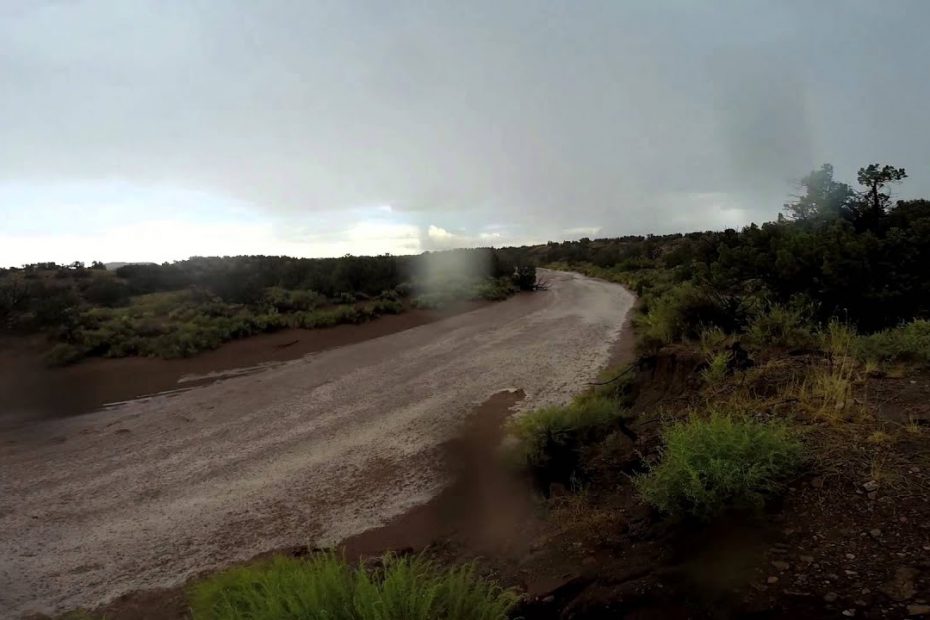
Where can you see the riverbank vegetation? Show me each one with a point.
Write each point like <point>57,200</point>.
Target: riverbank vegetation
<point>781,377</point>
<point>324,586</point>
<point>182,308</point>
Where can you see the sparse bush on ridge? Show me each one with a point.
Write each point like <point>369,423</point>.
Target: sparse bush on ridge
<point>719,461</point>
<point>324,587</point>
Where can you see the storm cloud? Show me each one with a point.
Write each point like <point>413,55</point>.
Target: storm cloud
<point>420,125</point>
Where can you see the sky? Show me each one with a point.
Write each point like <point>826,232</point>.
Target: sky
<point>153,130</point>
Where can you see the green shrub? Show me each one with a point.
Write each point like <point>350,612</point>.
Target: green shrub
<point>909,343</point>
<point>717,367</point>
<point>550,438</point>
<point>710,464</point>
<point>324,587</point>
<point>679,313</point>
<point>781,326</point>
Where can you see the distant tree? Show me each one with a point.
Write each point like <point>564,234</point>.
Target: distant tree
<point>823,197</point>
<point>874,178</point>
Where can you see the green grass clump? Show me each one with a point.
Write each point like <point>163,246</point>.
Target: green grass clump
<point>549,438</point>
<point>722,461</point>
<point>324,587</point>
<point>908,343</point>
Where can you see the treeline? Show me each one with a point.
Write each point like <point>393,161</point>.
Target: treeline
<point>834,252</point>
<point>177,309</point>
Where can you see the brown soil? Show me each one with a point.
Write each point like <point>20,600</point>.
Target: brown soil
<point>850,539</point>
<point>30,390</point>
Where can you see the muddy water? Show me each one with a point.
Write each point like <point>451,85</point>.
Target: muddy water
<point>488,508</point>
<point>314,450</point>
<point>30,391</point>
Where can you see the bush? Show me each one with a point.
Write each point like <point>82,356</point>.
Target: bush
<point>909,343</point>
<point>549,439</point>
<point>682,312</point>
<point>711,464</point>
<point>324,587</point>
<point>782,326</point>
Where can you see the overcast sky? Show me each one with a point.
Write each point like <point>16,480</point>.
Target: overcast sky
<point>158,129</point>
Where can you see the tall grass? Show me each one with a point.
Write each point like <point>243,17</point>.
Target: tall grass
<point>908,343</point>
<point>709,464</point>
<point>324,587</point>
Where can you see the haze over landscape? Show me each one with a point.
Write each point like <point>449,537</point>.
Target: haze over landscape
<point>356,310</point>
<point>152,131</point>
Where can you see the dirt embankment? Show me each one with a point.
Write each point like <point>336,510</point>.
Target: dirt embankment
<point>311,451</point>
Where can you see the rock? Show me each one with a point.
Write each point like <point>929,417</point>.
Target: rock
<point>870,486</point>
<point>772,579</point>
<point>807,559</point>
<point>849,613</point>
<point>817,483</point>
<point>781,565</point>
<point>850,556</point>
<point>830,597</point>
<point>918,610</point>
<point>901,587</point>
<point>875,533</point>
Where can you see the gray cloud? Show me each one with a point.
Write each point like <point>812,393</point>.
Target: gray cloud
<point>543,116</point>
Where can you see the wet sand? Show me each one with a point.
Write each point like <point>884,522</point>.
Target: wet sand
<point>311,451</point>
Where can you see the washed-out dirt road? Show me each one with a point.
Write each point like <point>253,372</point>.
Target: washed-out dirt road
<point>310,451</point>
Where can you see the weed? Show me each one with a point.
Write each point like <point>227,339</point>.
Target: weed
<point>709,464</point>
<point>781,326</point>
<point>716,371</point>
<point>549,439</point>
<point>880,438</point>
<point>908,343</point>
<point>324,587</point>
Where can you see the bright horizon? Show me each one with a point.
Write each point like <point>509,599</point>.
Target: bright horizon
<point>154,131</point>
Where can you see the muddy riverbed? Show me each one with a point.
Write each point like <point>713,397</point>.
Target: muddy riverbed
<point>309,451</point>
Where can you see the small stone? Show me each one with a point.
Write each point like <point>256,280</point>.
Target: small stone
<point>860,603</point>
<point>849,613</point>
<point>850,556</point>
<point>772,579</point>
<point>817,483</point>
<point>918,610</point>
<point>781,565</point>
<point>807,559</point>
<point>875,533</point>
<point>549,600</point>
<point>871,485</point>
<point>830,597</point>
<point>873,495</point>
<point>902,586</point>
